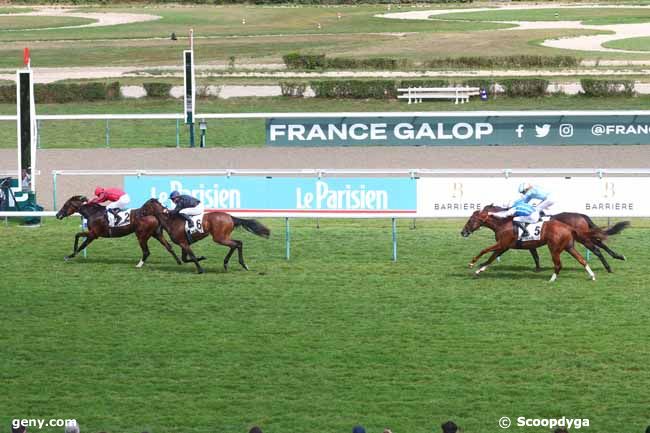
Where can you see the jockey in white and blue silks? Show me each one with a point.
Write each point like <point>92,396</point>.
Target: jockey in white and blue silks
<point>531,192</point>
<point>523,214</point>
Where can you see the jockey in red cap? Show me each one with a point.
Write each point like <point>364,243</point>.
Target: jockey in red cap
<point>118,200</point>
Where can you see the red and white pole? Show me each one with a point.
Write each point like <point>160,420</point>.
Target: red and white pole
<point>27,61</point>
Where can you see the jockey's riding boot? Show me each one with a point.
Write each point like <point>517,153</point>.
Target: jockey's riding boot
<point>523,227</point>
<point>187,218</point>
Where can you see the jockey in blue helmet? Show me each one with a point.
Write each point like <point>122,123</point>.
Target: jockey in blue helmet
<point>532,192</point>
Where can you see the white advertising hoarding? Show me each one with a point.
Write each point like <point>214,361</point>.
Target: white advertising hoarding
<point>593,196</point>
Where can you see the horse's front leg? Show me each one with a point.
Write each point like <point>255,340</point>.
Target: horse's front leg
<point>483,266</point>
<point>494,247</point>
<point>76,244</point>
<point>84,244</point>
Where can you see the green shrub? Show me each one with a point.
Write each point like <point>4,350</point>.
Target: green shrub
<point>491,62</point>
<point>423,83</point>
<point>375,89</point>
<point>84,92</point>
<point>320,61</point>
<point>8,94</point>
<point>304,61</point>
<point>157,90</point>
<point>293,89</point>
<point>524,87</point>
<point>593,87</point>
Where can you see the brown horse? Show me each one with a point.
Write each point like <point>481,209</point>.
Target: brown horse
<point>587,233</point>
<point>558,236</point>
<point>143,226</point>
<point>217,224</point>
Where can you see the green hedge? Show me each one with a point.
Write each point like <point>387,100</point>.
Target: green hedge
<point>220,2</point>
<point>157,90</point>
<point>8,94</point>
<point>518,61</point>
<point>527,87</point>
<point>375,89</point>
<point>320,61</point>
<point>592,87</point>
<point>60,93</point>
<point>423,83</point>
<point>304,61</point>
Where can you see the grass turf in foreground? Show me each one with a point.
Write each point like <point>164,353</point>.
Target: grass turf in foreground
<point>339,335</point>
<point>245,132</point>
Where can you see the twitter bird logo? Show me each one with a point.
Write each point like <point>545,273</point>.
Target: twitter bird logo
<point>542,131</point>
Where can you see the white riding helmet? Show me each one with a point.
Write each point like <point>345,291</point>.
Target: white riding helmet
<point>523,187</point>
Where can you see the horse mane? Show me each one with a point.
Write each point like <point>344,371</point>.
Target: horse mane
<point>492,208</point>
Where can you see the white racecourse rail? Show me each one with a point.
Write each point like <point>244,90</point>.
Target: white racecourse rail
<point>449,193</point>
<point>453,192</point>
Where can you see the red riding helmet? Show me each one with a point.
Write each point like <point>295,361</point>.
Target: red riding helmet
<point>99,191</point>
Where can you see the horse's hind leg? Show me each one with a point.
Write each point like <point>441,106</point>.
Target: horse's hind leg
<point>240,253</point>
<point>533,252</point>
<point>234,246</point>
<point>145,251</point>
<point>576,255</point>
<point>594,249</point>
<point>609,251</point>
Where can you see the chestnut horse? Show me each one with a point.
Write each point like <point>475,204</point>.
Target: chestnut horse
<point>587,233</point>
<point>558,236</point>
<point>217,224</point>
<point>143,226</point>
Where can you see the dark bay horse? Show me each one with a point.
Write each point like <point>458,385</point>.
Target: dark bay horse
<point>142,225</point>
<point>219,225</point>
<point>555,234</point>
<point>587,233</point>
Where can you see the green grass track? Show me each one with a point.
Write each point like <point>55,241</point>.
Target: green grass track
<point>336,336</point>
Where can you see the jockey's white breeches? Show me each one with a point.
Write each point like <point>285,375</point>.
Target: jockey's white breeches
<point>192,211</point>
<point>545,204</point>
<point>122,203</point>
<point>528,219</point>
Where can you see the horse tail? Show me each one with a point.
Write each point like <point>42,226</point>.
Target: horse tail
<point>252,226</point>
<point>600,234</point>
<point>617,228</point>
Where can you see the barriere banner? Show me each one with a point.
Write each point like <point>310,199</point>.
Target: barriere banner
<point>459,130</point>
<point>287,195</point>
<point>431,197</point>
<point>593,196</point>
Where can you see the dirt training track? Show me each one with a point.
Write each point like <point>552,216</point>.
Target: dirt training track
<point>316,158</point>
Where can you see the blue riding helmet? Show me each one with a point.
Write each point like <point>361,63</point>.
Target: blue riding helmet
<point>174,194</point>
